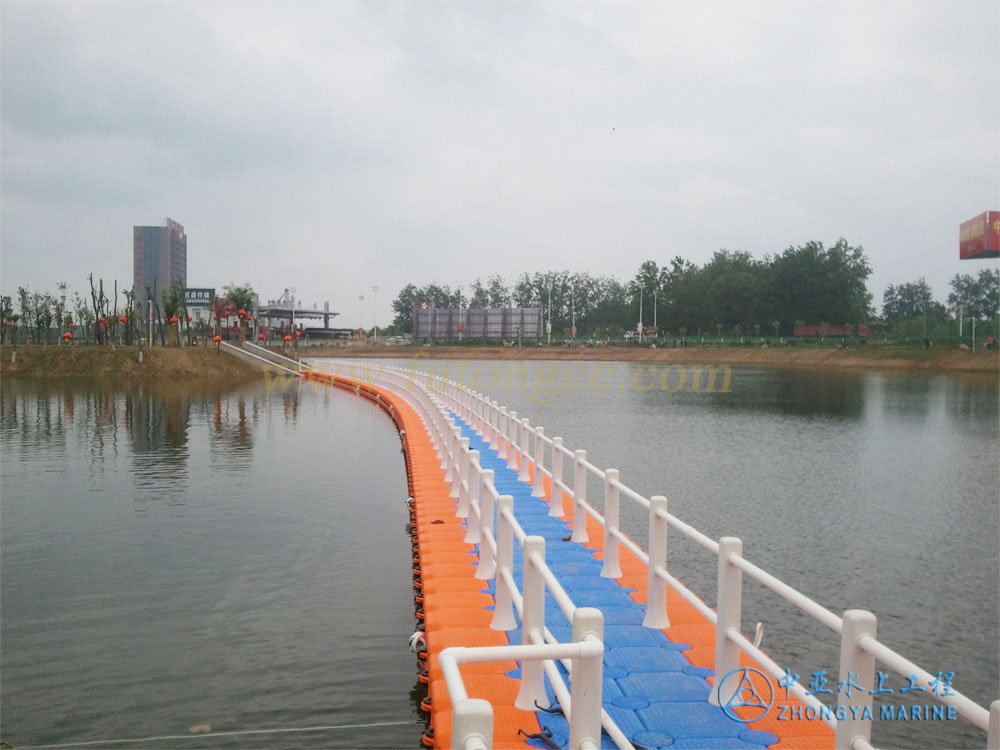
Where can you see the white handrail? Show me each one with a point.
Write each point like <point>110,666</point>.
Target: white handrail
<point>967,707</point>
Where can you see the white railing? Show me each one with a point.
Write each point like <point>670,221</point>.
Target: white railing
<point>434,397</point>
<point>472,720</point>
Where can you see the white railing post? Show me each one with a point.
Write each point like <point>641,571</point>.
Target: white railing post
<point>486,418</point>
<point>611,567</point>
<point>522,459</point>
<point>469,483</point>
<point>503,613</point>
<point>472,725</point>
<point>993,734</point>
<point>728,610</point>
<point>532,620</point>
<point>511,440</point>
<point>459,488</point>
<point>487,565</point>
<point>456,460</point>
<point>556,504</point>
<point>495,420</point>
<point>586,683</point>
<point>656,609</point>
<point>502,441</point>
<point>579,497</point>
<point>449,449</point>
<point>539,480</point>
<point>438,434</point>
<point>857,667</point>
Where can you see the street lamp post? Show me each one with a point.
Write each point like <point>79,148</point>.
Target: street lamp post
<point>361,318</point>
<point>375,306</point>
<point>640,315</point>
<point>548,328</point>
<point>654,311</point>
<point>572,306</point>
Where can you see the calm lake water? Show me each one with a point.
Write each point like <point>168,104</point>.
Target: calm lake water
<point>169,560</point>
<point>239,559</point>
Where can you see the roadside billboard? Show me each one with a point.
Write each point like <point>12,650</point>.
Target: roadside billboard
<point>980,237</point>
<point>198,297</point>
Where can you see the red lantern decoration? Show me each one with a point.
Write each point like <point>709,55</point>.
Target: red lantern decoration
<point>249,317</point>
<point>260,336</point>
<point>242,313</point>
<point>298,333</point>
<point>67,336</point>
<point>72,325</point>
<point>173,319</point>
<point>100,320</point>
<point>288,338</point>
<point>189,318</point>
<point>217,339</point>
<point>123,320</point>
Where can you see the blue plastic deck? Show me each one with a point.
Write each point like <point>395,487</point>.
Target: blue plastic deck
<point>655,696</point>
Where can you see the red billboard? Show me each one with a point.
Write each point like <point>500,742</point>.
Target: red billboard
<point>980,237</point>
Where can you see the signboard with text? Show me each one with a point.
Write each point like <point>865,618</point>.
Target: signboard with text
<point>198,297</point>
<point>980,237</point>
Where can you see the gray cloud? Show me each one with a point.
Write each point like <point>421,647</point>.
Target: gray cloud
<point>336,146</point>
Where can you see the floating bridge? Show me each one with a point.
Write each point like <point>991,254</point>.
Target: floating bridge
<point>542,624</point>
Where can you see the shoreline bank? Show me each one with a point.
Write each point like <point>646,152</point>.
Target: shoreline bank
<point>172,363</point>
<point>122,363</point>
<point>882,359</point>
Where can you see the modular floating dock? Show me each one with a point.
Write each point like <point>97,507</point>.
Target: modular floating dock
<point>542,625</point>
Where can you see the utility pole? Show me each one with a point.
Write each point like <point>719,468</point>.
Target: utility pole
<point>375,306</point>
<point>361,319</point>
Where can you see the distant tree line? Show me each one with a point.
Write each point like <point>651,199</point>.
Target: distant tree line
<point>910,309</point>
<point>732,293</point>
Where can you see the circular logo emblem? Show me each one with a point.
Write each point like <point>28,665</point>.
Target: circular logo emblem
<point>746,688</point>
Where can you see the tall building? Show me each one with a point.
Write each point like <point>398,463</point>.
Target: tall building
<point>158,254</point>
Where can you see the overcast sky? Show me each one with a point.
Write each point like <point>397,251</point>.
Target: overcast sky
<point>336,146</point>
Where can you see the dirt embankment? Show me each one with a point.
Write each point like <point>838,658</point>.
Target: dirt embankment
<point>122,363</point>
<point>898,359</point>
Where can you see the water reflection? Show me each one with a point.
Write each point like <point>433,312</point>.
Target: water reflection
<point>789,392</point>
<point>174,556</point>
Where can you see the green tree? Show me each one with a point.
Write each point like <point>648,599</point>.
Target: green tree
<point>478,295</point>
<point>6,315</point>
<point>496,292</point>
<point>910,300</point>
<point>59,308</point>
<point>813,283</point>
<point>402,306</point>
<point>242,298</point>
<point>24,302</point>
<point>978,295</point>
<point>172,301</point>
<point>735,286</point>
